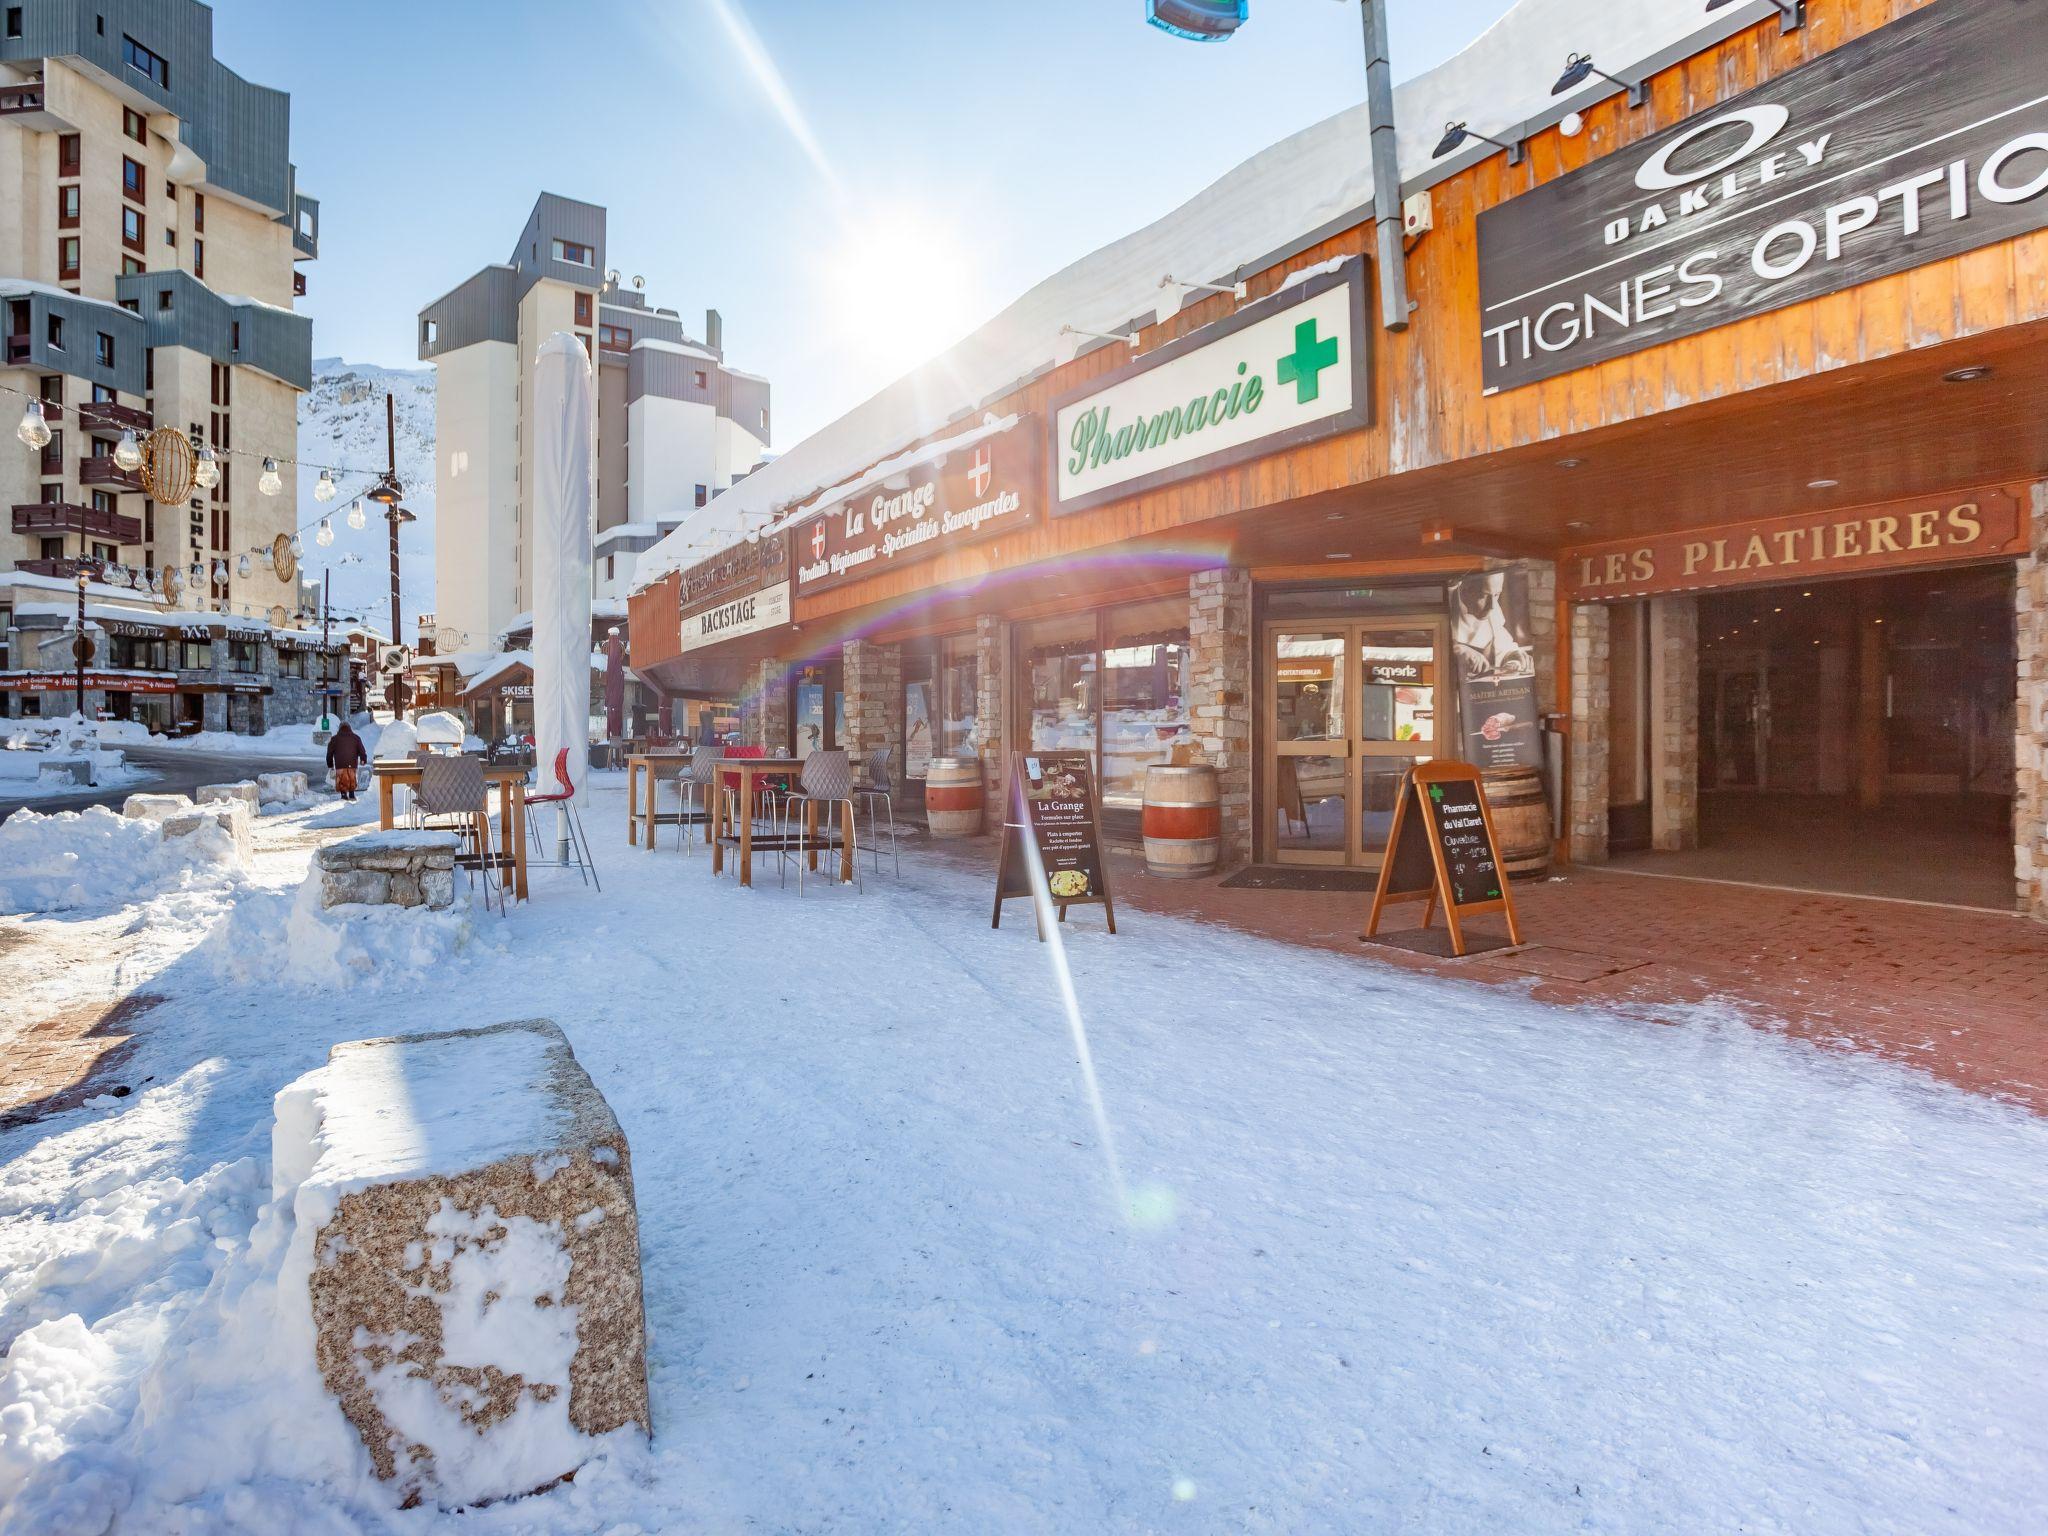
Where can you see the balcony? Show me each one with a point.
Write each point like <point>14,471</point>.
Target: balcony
<point>105,416</point>
<point>55,517</point>
<point>101,470</point>
<point>63,570</point>
<point>28,104</point>
<point>18,349</point>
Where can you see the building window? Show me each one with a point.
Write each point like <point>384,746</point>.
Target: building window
<point>764,420</point>
<point>14,21</point>
<point>199,258</point>
<point>572,253</point>
<point>135,125</point>
<point>195,655</point>
<point>615,338</point>
<point>583,309</point>
<point>132,182</point>
<point>68,158</point>
<point>241,655</point>
<point>163,298</point>
<point>150,64</point>
<point>234,336</point>
<point>430,332</point>
<point>609,569</point>
<point>132,266</point>
<point>198,211</point>
<point>131,229</point>
<point>103,501</point>
<point>103,350</point>
<point>67,257</point>
<point>67,206</point>
<point>703,494</point>
<point>703,379</point>
<point>171,238</point>
<point>53,389</point>
<point>53,327</point>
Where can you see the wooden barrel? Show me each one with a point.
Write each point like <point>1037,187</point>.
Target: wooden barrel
<point>1521,820</point>
<point>1183,822</point>
<point>952,796</point>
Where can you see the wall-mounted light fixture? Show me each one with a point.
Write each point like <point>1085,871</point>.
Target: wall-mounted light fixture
<point>1457,133</point>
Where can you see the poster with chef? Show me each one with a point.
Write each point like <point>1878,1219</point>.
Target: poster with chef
<point>1496,659</point>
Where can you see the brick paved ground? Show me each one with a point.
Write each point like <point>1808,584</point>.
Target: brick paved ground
<point>1963,995</point>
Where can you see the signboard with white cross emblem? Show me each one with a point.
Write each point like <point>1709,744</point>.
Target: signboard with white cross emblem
<point>1283,370</point>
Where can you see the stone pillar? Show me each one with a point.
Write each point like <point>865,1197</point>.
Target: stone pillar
<point>1542,578</point>
<point>991,731</point>
<point>1220,695</point>
<point>873,676</point>
<point>1586,819</point>
<point>2030,746</point>
<point>1674,723</point>
<point>764,710</point>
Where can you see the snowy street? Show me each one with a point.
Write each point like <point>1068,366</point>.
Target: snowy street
<point>1390,1251</point>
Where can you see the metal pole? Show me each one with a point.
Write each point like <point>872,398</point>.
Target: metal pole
<point>1386,167</point>
<point>326,656</point>
<point>392,516</point>
<point>78,653</point>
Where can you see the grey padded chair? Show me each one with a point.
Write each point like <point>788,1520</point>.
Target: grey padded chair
<point>696,787</point>
<point>454,792</point>
<point>879,790</point>
<point>827,784</point>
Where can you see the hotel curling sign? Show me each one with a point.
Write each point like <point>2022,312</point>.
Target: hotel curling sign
<point>1922,140</point>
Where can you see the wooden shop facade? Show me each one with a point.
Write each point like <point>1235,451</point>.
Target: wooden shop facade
<point>1701,493</point>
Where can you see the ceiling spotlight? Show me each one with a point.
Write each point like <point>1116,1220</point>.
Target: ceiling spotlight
<point>1578,525</point>
<point>270,482</point>
<point>1967,375</point>
<point>1791,13</point>
<point>1342,554</point>
<point>1457,133</point>
<point>1822,484</point>
<point>1570,463</point>
<point>1577,66</point>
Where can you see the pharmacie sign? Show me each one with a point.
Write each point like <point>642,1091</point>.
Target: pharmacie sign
<point>749,615</point>
<point>1286,370</point>
<point>971,492</point>
<point>1919,141</point>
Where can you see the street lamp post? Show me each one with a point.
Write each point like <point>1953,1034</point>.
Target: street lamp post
<point>81,646</point>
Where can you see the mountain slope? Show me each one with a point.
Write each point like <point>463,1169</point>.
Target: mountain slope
<point>341,422</point>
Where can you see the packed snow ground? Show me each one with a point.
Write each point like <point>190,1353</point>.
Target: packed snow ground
<point>1398,1251</point>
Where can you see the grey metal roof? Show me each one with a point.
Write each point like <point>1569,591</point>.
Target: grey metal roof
<point>249,335</point>
<point>83,322</point>
<point>485,308</point>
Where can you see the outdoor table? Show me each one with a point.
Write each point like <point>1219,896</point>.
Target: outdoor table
<point>637,816</point>
<point>748,769</point>
<point>511,782</point>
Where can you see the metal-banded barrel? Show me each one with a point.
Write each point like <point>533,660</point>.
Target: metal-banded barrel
<point>952,796</point>
<point>1521,820</point>
<point>1183,821</point>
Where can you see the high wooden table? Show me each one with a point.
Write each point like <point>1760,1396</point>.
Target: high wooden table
<point>511,783</point>
<point>637,815</point>
<point>748,770</point>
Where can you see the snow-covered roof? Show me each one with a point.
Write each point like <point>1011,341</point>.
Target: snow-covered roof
<point>17,287</point>
<point>117,613</point>
<point>506,662</point>
<point>909,459</point>
<point>1318,178</point>
<point>600,608</point>
<point>656,344</point>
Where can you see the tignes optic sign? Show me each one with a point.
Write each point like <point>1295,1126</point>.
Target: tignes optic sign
<point>1923,139</point>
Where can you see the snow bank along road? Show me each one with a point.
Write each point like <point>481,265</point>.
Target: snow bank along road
<point>1405,1253</point>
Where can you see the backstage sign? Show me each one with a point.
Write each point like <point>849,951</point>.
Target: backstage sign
<point>975,492</point>
<point>1919,141</point>
<point>1287,369</point>
<point>749,615</point>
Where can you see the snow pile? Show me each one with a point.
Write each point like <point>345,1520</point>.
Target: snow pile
<point>26,746</point>
<point>99,858</point>
<point>293,741</point>
<point>287,939</point>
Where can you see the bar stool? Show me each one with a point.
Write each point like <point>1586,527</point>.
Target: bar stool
<point>825,783</point>
<point>879,788</point>
<point>454,788</point>
<point>698,788</point>
<point>579,846</point>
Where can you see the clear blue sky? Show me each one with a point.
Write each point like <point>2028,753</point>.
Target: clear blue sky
<point>958,151</point>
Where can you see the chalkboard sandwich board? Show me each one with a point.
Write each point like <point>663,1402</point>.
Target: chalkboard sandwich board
<point>1052,803</point>
<point>1441,851</point>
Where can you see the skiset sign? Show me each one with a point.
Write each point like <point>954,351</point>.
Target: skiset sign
<point>1919,141</point>
<point>1285,370</point>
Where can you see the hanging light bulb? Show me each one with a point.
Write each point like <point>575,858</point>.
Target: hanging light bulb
<point>298,548</point>
<point>220,570</point>
<point>243,568</point>
<point>325,536</point>
<point>145,579</point>
<point>323,488</point>
<point>196,573</point>
<point>356,517</point>
<point>34,430</point>
<point>270,482</point>
<point>206,470</point>
<point>128,452</point>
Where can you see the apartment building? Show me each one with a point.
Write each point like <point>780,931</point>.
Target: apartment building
<point>151,228</point>
<point>676,424</point>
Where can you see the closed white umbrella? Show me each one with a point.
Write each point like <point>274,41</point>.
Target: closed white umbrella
<point>563,498</point>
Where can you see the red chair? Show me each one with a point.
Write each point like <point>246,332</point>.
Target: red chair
<point>579,845</point>
<point>766,791</point>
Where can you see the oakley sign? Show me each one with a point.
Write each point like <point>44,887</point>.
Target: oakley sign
<point>1847,169</point>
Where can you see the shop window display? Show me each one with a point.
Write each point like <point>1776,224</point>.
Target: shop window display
<point>1144,696</point>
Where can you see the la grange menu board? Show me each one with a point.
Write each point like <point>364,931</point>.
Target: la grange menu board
<point>1053,797</point>
<point>1442,851</point>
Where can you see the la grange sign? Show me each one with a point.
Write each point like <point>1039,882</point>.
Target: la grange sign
<point>1919,141</point>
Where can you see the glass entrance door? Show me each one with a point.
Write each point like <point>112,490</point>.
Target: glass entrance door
<point>1349,708</point>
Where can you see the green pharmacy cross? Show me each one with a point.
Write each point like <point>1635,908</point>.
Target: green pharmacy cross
<point>1303,366</point>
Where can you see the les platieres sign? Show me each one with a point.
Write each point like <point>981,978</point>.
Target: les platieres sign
<point>1283,370</point>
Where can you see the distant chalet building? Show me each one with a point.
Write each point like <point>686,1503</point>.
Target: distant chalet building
<point>676,424</point>
<point>150,230</point>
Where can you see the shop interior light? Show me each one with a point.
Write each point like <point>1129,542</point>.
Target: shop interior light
<point>1569,463</point>
<point>1967,375</point>
<point>1457,133</point>
<point>270,482</point>
<point>128,452</point>
<point>1577,66</point>
<point>1791,13</point>
<point>34,429</point>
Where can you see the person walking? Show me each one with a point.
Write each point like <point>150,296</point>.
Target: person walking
<point>346,755</point>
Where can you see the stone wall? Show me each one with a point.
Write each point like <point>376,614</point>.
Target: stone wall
<point>399,868</point>
<point>1674,723</point>
<point>873,675</point>
<point>1591,739</point>
<point>991,659</point>
<point>2030,746</point>
<point>1542,575</point>
<point>1220,695</point>
<point>764,707</point>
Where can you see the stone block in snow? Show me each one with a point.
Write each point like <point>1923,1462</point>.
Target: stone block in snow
<point>52,771</point>
<point>465,1202</point>
<point>230,816</point>
<point>244,791</point>
<point>154,807</point>
<point>277,788</point>
<point>402,868</point>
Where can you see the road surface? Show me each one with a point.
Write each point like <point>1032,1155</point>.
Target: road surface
<point>177,770</point>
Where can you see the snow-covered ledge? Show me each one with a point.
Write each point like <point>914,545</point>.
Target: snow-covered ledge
<point>463,1216</point>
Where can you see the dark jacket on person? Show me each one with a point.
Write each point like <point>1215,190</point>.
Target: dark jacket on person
<point>346,750</point>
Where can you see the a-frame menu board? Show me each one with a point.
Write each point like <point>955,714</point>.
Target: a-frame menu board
<point>1441,850</point>
<point>1057,826</point>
